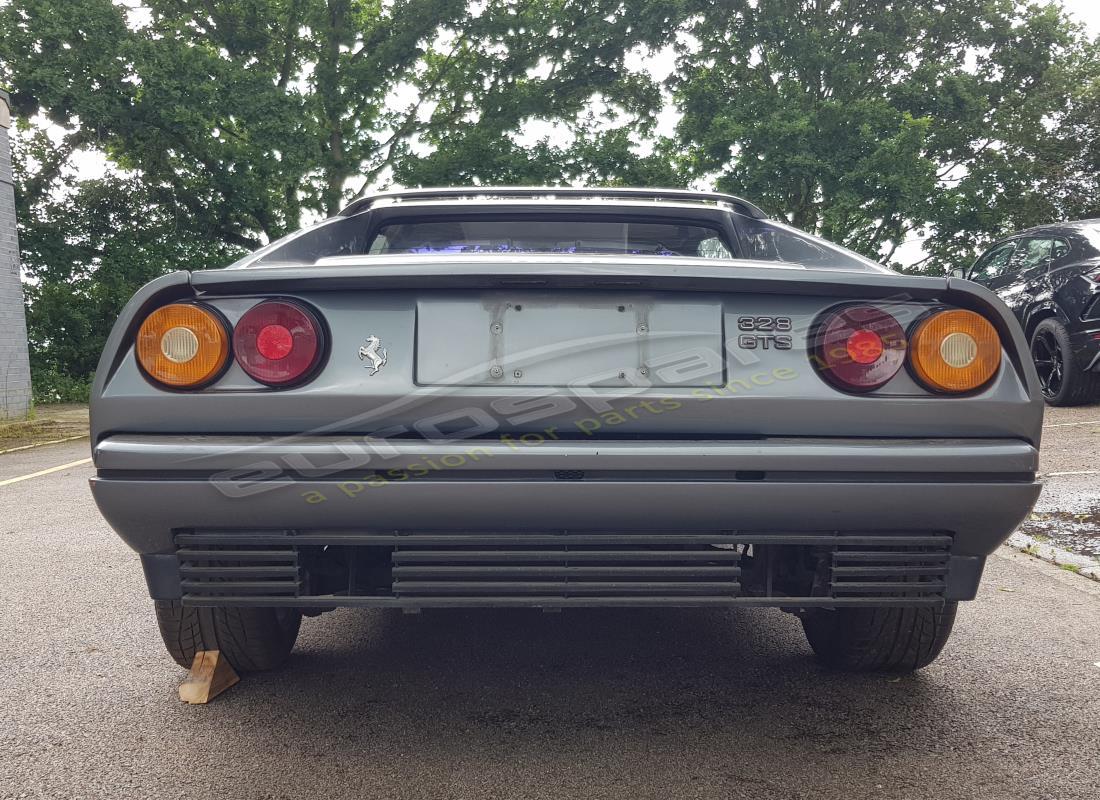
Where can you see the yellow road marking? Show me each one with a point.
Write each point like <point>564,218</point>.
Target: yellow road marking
<point>45,471</point>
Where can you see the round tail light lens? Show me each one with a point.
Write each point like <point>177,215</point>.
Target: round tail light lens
<point>278,342</point>
<point>955,351</point>
<point>859,348</point>
<point>182,345</point>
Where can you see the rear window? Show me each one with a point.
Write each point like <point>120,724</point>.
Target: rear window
<point>759,239</point>
<point>768,240</point>
<point>549,236</point>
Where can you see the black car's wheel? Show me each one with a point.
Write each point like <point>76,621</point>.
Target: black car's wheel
<point>251,639</point>
<point>879,639</point>
<point>1062,382</point>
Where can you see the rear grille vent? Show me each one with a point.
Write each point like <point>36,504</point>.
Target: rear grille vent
<point>217,570</point>
<point>567,570</point>
<point>878,572</point>
<point>328,568</point>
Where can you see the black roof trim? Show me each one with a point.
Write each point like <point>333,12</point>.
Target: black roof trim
<point>505,192</point>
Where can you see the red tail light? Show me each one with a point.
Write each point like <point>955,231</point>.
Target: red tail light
<point>859,348</point>
<point>278,342</point>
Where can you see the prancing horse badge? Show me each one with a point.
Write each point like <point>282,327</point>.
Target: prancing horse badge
<point>373,350</point>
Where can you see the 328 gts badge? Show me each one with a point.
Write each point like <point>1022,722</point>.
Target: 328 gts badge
<point>765,333</point>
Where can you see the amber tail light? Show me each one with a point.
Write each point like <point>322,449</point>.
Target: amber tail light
<point>183,345</point>
<point>954,351</point>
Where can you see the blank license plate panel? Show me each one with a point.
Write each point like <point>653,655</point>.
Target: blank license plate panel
<point>568,339</point>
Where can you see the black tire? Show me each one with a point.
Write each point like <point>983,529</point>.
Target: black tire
<point>879,639</point>
<point>251,639</point>
<point>1062,382</point>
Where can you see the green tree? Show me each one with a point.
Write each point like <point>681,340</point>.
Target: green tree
<point>249,113</point>
<point>867,121</point>
<point>1072,174</point>
<point>245,112</point>
<point>559,64</point>
<point>84,252</point>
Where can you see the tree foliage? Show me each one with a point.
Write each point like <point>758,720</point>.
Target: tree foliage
<point>229,122</point>
<point>869,121</point>
<point>560,63</point>
<point>248,113</point>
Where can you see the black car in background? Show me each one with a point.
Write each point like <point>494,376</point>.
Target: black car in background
<point>1050,277</point>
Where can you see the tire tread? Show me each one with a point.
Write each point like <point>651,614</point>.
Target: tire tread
<point>251,639</point>
<point>879,639</point>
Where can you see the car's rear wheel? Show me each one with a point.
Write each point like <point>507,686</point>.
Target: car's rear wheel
<point>251,639</point>
<point>1062,382</point>
<point>879,639</point>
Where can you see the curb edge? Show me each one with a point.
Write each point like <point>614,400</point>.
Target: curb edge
<point>43,444</point>
<point>1072,562</point>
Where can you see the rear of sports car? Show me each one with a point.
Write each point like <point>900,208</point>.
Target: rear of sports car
<point>563,427</point>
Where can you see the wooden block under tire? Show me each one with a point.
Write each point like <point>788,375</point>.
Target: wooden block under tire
<point>210,675</point>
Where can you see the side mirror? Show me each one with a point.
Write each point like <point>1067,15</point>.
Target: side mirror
<point>958,272</point>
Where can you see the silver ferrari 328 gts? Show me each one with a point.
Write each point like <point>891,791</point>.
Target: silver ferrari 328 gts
<point>562,398</point>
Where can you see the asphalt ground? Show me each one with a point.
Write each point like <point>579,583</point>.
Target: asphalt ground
<point>698,703</point>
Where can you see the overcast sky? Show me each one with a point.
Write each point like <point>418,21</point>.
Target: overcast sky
<point>1087,11</point>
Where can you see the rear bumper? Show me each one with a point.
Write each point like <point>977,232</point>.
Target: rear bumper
<point>155,489</point>
<point>148,487</point>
